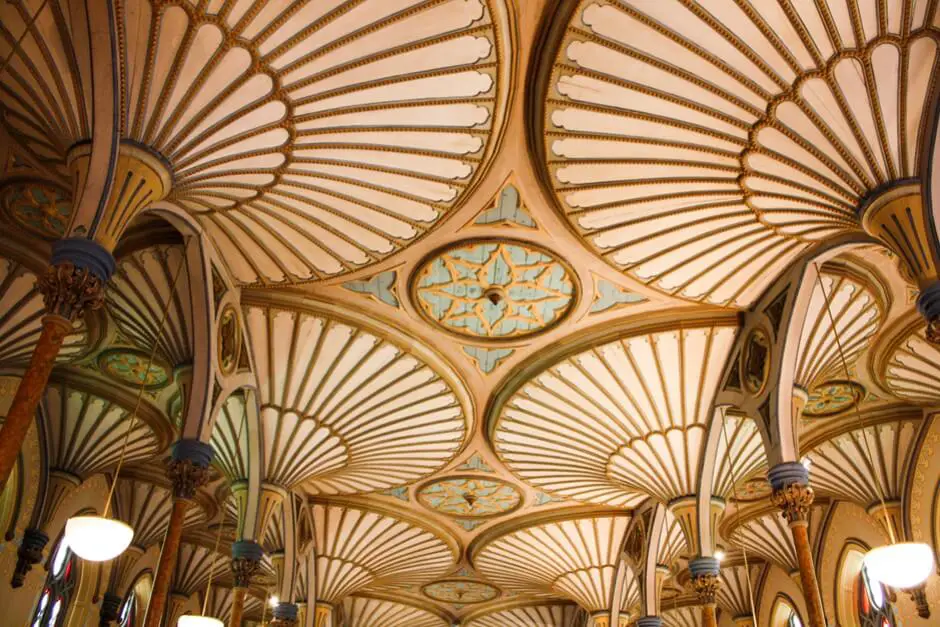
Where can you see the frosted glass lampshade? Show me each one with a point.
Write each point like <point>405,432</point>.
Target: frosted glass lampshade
<point>97,539</point>
<point>903,565</point>
<point>199,621</point>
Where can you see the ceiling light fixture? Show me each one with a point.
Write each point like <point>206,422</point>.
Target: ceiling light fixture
<point>900,565</point>
<point>100,538</point>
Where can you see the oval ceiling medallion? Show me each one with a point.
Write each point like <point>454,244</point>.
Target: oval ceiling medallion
<point>38,207</point>
<point>755,362</point>
<point>129,366</point>
<point>458,591</point>
<point>495,290</point>
<point>230,340</point>
<point>470,497</point>
<point>750,490</point>
<point>833,397</point>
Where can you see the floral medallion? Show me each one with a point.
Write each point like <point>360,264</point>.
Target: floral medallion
<point>833,397</point>
<point>470,497</point>
<point>751,490</point>
<point>230,340</point>
<point>494,290</point>
<point>463,592</point>
<point>38,207</point>
<point>129,366</point>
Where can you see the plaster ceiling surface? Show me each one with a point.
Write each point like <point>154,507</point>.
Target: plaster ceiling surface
<point>487,261</point>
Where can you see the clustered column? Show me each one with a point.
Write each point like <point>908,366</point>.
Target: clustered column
<point>792,494</point>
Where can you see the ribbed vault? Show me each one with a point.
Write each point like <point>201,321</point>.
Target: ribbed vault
<point>345,410</point>
<point>141,288</point>
<point>576,558</point>
<point>912,371</point>
<point>856,314</point>
<point>764,532</point>
<point>357,548</point>
<point>700,147</point>
<point>843,467</point>
<point>618,421</point>
<point>309,138</point>
<point>368,612</point>
<point>531,615</point>
<point>689,616</point>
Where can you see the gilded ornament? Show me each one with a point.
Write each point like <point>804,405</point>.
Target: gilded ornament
<point>470,497</point>
<point>494,289</point>
<point>795,500</point>
<point>186,477</point>
<point>130,367</point>
<point>230,339</point>
<point>38,207</point>
<point>243,570</point>
<point>833,397</point>
<point>460,591</point>
<point>706,587</point>
<point>68,291</point>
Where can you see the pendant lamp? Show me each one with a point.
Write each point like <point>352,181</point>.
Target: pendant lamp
<point>899,565</point>
<point>100,538</point>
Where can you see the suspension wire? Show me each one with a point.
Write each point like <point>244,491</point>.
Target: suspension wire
<point>858,416</point>
<point>737,514</point>
<point>143,384</point>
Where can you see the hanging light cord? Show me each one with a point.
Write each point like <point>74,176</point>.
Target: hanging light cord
<point>858,416</point>
<point>737,514</point>
<point>218,537</point>
<point>143,384</point>
<point>215,555</point>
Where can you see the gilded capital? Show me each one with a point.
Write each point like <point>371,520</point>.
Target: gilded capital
<point>706,588</point>
<point>795,500</point>
<point>186,477</point>
<point>68,291</point>
<point>246,560</point>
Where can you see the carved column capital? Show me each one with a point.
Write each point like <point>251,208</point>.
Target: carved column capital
<point>919,597</point>
<point>794,500</point>
<point>285,615</point>
<point>791,491</point>
<point>28,555</point>
<point>68,291</point>
<point>706,588</point>
<point>188,468</point>
<point>246,561</point>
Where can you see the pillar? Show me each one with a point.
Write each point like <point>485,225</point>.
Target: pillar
<point>705,581</point>
<point>686,511</point>
<point>246,560</point>
<point>110,610</point>
<point>649,621</point>
<point>285,615</point>
<point>792,494</point>
<point>29,554</point>
<point>188,469</point>
<point>73,284</point>
<point>323,615</point>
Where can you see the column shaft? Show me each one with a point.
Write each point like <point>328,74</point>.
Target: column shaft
<point>238,606</point>
<point>23,410</point>
<point>167,564</point>
<point>808,581</point>
<point>709,619</point>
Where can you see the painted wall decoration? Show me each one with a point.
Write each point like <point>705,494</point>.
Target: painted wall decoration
<point>470,497</point>
<point>507,211</point>
<point>464,592</point>
<point>230,340</point>
<point>833,397</point>
<point>129,366</point>
<point>381,287</point>
<point>40,208</point>
<point>494,289</point>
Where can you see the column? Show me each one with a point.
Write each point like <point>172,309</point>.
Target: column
<point>285,615</point>
<point>705,580</point>
<point>73,283</point>
<point>110,610</point>
<point>246,560</point>
<point>792,494</point>
<point>649,621</point>
<point>187,470</point>
<point>323,615</point>
<point>29,553</point>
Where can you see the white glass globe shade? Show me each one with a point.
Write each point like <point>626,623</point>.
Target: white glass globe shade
<point>97,539</point>
<point>903,565</point>
<point>199,621</point>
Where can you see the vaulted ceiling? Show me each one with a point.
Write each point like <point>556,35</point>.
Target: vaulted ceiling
<point>474,273</point>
